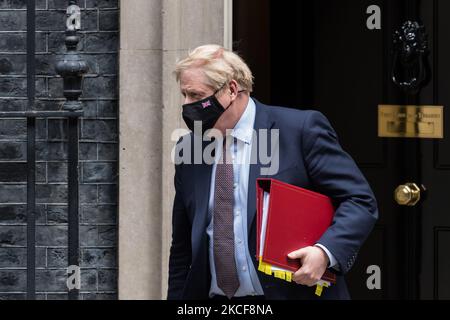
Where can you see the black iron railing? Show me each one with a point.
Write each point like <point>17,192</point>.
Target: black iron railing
<point>71,68</point>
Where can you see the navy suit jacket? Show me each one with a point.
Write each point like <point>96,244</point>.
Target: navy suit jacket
<point>311,157</point>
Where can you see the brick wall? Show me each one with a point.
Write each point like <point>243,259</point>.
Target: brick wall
<point>98,151</point>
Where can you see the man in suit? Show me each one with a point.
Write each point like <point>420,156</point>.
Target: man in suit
<point>214,229</point>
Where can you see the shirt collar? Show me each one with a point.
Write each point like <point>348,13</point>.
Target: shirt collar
<point>243,130</point>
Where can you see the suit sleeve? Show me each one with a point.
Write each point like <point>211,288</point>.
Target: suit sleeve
<point>334,173</point>
<point>180,251</point>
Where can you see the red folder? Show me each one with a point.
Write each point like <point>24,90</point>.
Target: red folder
<point>296,218</point>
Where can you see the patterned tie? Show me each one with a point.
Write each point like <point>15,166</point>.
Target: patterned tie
<point>227,278</point>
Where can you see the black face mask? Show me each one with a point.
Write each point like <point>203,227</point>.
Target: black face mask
<point>207,111</point>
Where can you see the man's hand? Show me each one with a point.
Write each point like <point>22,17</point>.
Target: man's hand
<point>314,263</point>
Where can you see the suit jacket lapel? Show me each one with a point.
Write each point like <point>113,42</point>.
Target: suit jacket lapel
<point>262,121</point>
<point>202,184</point>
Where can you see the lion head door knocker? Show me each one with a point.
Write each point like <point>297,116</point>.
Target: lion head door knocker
<point>410,69</point>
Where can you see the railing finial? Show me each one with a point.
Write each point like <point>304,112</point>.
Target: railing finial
<point>72,67</point>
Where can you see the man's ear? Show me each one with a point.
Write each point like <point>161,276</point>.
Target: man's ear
<point>233,88</point>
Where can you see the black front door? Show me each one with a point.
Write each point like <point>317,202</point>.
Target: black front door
<point>322,55</point>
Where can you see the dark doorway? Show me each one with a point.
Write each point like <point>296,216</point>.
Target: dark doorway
<point>321,55</point>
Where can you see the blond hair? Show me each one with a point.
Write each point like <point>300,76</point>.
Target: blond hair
<point>219,65</point>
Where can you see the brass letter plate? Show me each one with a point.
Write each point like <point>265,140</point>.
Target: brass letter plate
<point>411,121</point>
